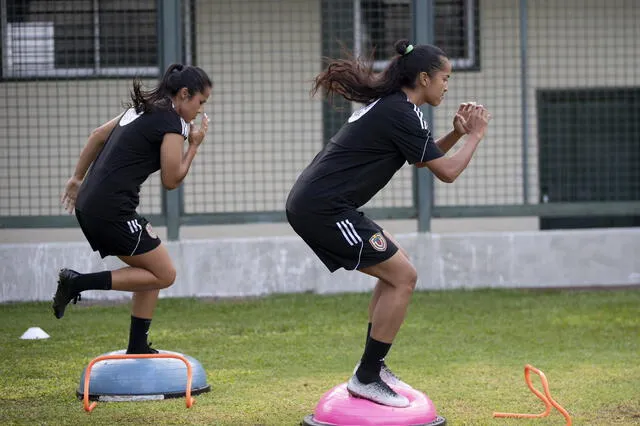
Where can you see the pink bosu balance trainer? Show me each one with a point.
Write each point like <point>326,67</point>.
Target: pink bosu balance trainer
<point>338,408</point>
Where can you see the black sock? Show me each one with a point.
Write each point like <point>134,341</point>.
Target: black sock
<point>368,335</point>
<point>95,281</point>
<point>138,334</point>
<point>374,353</point>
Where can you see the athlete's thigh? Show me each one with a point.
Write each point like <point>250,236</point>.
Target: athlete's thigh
<point>395,270</point>
<point>156,261</point>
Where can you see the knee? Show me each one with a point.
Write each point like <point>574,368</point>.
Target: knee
<point>408,281</point>
<point>412,279</point>
<point>167,277</point>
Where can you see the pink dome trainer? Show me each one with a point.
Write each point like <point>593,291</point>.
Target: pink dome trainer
<point>338,408</point>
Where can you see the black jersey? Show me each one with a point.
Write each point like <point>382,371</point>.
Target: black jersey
<point>363,156</point>
<point>111,188</point>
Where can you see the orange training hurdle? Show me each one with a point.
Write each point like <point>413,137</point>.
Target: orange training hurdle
<point>545,398</point>
<point>88,407</point>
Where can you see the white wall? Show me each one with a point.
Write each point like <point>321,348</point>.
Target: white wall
<point>259,266</point>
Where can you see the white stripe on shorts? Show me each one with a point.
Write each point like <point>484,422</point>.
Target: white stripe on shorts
<point>343,228</point>
<point>134,226</point>
<point>349,232</point>
<point>351,229</point>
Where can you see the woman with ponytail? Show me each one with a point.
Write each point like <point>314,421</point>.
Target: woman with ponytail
<point>123,152</point>
<point>356,163</point>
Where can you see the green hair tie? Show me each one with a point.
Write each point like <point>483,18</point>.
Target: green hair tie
<point>408,49</point>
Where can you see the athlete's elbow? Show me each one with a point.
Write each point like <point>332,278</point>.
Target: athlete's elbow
<point>170,182</point>
<point>447,178</point>
<point>170,186</point>
<point>445,169</point>
<point>450,174</point>
<point>446,175</point>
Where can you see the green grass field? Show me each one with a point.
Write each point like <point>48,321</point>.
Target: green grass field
<point>269,360</point>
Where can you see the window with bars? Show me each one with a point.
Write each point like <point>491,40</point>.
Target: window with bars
<point>76,38</point>
<point>379,23</point>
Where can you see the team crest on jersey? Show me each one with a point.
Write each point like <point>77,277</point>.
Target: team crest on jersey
<point>149,229</point>
<point>378,242</point>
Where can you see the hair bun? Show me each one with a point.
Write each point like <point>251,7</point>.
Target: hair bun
<point>401,45</point>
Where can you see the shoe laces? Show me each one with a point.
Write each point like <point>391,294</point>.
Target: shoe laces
<point>388,371</point>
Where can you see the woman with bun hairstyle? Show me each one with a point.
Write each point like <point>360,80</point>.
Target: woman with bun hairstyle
<point>123,152</point>
<point>356,163</point>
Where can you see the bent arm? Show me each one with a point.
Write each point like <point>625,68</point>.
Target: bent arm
<point>446,142</point>
<point>174,163</point>
<point>447,169</point>
<point>92,148</point>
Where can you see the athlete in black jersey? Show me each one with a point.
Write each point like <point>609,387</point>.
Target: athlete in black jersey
<point>359,161</point>
<point>122,153</point>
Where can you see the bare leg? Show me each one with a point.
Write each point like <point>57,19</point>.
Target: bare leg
<point>375,296</point>
<point>381,285</point>
<point>149,271</point>
<point>144,303</point>
<point>397,279</point>
<point>146,274</point>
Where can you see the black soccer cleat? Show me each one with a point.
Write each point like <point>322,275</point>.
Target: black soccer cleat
<point>64,292</point>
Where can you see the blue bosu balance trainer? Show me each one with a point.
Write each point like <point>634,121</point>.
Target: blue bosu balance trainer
<point>117,376</point>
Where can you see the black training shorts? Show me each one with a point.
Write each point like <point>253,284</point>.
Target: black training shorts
<point>349,240</point>
<point>118,238</point>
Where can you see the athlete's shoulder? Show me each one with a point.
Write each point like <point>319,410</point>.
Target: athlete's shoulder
<point>169,121</point>
<point>384,107</point>
<point>404,113</point>
<point>398,107</point>
<point>398,101</point>
<point>127,117</point>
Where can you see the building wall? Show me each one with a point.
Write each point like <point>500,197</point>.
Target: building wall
<point>43,127</point>
<point>263,56</point>
<point>571,44</point>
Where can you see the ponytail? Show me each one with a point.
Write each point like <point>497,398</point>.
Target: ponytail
<point>354,79</point>
<point>175,78</point>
